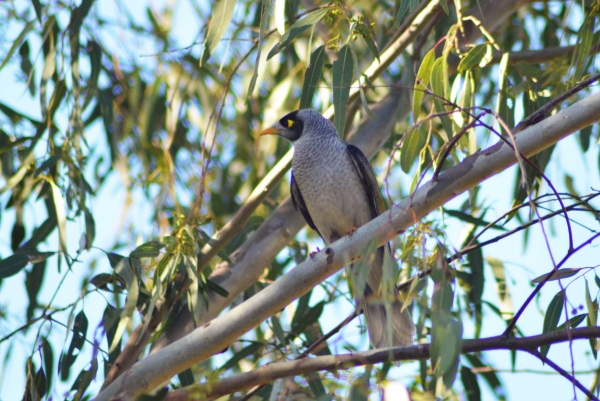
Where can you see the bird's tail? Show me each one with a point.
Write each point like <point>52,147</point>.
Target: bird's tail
<point>388,325</point>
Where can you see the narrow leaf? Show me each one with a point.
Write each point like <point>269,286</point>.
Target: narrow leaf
<point>297,28</point>
<point>17,42</point>
<point>264,23</point>
<point>557,275</point>
<point>221,17</point>
<point>473,58</point>
<point>409,150</point>
<point>421,82</point>
<point>80,326</point>
<point>469,382</point>
<point>552,317</point>
<point>312,77</point>
<point>217,288</point>
<point>342,79</point>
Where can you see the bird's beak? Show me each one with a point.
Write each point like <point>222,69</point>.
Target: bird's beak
<point>269,131</point>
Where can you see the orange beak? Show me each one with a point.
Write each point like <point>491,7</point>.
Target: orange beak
<point>269,131</point>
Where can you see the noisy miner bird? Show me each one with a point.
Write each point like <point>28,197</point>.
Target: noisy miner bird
<point>334,187</point>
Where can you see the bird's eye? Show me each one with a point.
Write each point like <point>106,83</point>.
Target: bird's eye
<point>290,123</point>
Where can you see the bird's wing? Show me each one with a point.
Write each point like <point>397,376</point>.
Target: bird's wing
<point>298,202</point>
<point>367,176</point>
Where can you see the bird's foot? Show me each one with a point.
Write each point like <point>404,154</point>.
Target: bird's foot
<point>351,231</point>
<point>312,254</point>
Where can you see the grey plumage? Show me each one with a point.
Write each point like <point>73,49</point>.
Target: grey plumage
<point>334,187</point>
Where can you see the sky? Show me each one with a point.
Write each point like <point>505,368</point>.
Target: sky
<point>522,264</point>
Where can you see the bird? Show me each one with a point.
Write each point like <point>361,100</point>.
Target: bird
<point>334,187</point>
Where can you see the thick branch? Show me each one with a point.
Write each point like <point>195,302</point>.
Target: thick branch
<point>268,373</point>
<point>224,330</point>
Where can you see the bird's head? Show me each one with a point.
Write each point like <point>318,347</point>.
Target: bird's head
<point>301,123</point>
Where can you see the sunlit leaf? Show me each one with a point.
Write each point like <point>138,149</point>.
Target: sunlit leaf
<point>264,23</point>
<point>220,19</point>
<point>473,58</point>
<point>296,29</point>
<point>421,81</point>
<point>148,250</point>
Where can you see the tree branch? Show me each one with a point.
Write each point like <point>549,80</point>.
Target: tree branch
<point>283,224</point>
<point>224,330</point>
<point>268,373</point>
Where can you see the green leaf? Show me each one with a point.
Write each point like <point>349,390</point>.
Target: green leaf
<point>469,382</point>
<point>110,320</point>
<point>361,91</point>
<point>278,330</point>
<point>244,353</point>
<point>124,270</point>
<point>444,6</point>
<point>95,54</point>
<point>439,87</point>
<point>221,17</point>
<point>552,317</point>
<point>581,55</point>
<point>473,58</point>
<point>148,250</point>
<point>79,14</point>
<point>38,9</point>
<point>489,375</point>
<point>60,91</point>
<point>476,278</point>
<point>264,23</point>
<point>48,358</point>
<point>573,322</point>
<point>48,163</point>
<point>557,275</point>
<point>297,28</point>
<point>308,318</point>
<point>79,329</point>
<point>592,317</point>
<point>17,42</point>
<point>217,288</point>
<point>505,99</point>
<point>506,308</point>
<point>317,387</point>
<point>83,381</point>
<point>402,9</point>
<point>446,341</point>
<point>472,219</point>
<point>409,150</point>
<point>312,76</point>
<point>14,263</point>
<point>90,229</point>
<point>421,81</point>
<point>186,378</point>
<point>342,79</point>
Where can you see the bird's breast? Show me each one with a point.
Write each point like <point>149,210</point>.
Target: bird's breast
<point>333,192</point>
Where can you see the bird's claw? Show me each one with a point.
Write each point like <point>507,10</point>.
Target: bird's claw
<point>351,231</point>
<point>312,254</point>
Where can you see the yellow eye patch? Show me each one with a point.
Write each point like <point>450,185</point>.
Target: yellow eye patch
<point>290,123</point>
